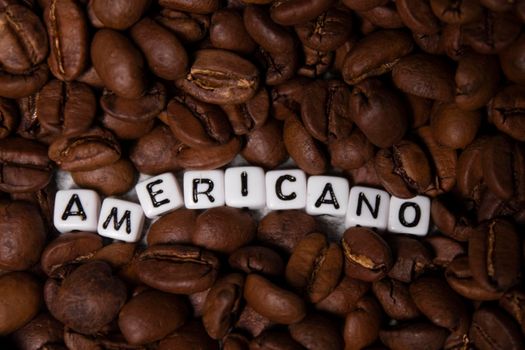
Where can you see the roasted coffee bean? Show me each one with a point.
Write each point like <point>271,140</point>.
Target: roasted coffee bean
<point>379,112</point>
<point>497,5</point>
<point>223,305</point>
<point>24,165</point>
<point>264,147</point>
<point>197,124</point>
<point>315,267</point>
<point>495,255</point>
<point>470,171</point>
<point>418,16</point>
<point>23,85</point>
<point>450,219</point>
<point>68,35</point>
<point>151,315</point>
<point>367,256</point>
<point>395,299</point>
<point>317,331</point>
<point>513,301</point>
<point>113,179</point>
<point>510,61</point>
<point>227,31</point>
<point>278,304</point>
<point>375,54</point>
<point>351,152</point>
<point>273,340</point>
<point>404,169</point>
<point>165,55</point>
<point>344,297</point>
<point>91,77</point>
<point>413,336</point>
<point>363,5</point>
<point>460,12</point>
<point>412,258</point>
<point>452,126</point>
<point>252,322</point>
<point>316,63</point>
<point>507,110</point>
<point>101,296</point>
<point>492,329</point>
<point>257,259</point>
<point>287,97</point>
<point>224,229</point>
<point>190,336</point>
<point>445,249</point>
<point>189,27</point>
<point>21,300</point>
<point>177,269</point>
<point>43,331</point>
<point>362,324</point>
<point>220,77</point>
<point>384,16</point>
<point>8,117</point>
<point>120,14</point>
<point>174,228</point>
<point>298,11</point>
<point>23,41</point>
<point>249,116</point>
<point>201,7</point>
<point>118,63</point>
<point>208,158</point>
<point>85,151</point>
<point>425,76</point>
<point>127,130</point>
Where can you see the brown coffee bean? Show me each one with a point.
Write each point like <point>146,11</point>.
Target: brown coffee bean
<point>273,340</point>
<point>367,255</point>
<point>175,228</point>
<point>303,148</point>
<point>25,166</point>
<point>513,301</point>
<point>264,147</point>
<point>470,171</point>
<point>506,111</point>
<point>404,169</point>
<point>252,322</point>
<point>351,152</point>
<point>201,7</point>
<point>227,31</point>
<point>288,97</point>
<point>69,248</point>
<point>363,5</point>
<point>477,78</point>
<point>315,267</point>
<point>21,300</point>
<point>317,331</point>
<point>497,5</point>
<point>362,324</point>
<point>119,255</point>
<point>190,336</point>
<point>413,336</point>
<point>492,329</point>
<point>235,341</point>
<point>395,299</point>
<point>118,63</point>
<point>369,57</point>
<point>85,151</point>
<point>425,76</point>
<point>284,229</point>
<point>494,255</point>
<point>412,258</point>
<point>8,117</point>
<point>23,85</point>
<point>257,259</point>
<point>445,249</point>
<point>68,35</point>
<point>511,63</point>
<point>165,55</point>
<point>127,130</point>
<point>43,331</point>
<point>460,12</point>
<point>451,220</point>
<point>249,116</point>
<point>452,126</point>
<point>151,315</point>
<point>113,179</point>
<point>189,27</point>
<point>224,229</point>
<point>23,41</point>
<point>208,158</point>
<point>379,112</point>
<point>223,305</point>
<point>91,77</point>
<point>120,14</point>
<point>418,16</point>
<point>177,269</point>
<point>316,63</point>
<point>298,11</point>
<point>197,124</point>
<point>101,294</point>
<point>279,305</point>
<point>384,16</point>
<point>344,297</point>
<point>220,77</point>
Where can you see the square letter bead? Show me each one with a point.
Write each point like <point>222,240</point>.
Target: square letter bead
<point>244,187</point>
<point>411,216</point>
<point>285,189</point>
<point>76,210</point>
<point>327,195</point>
<point>159,195</point>
<point>367,207</point>
<point>203,189</point>
<point>121,220</point>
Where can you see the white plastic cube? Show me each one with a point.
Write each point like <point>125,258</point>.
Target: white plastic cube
<point>203,189</point>
<point>411,216</point>
<point>159,195</point>
<point>367,207</point>
<point>285,189</point>
<point>244,187</point>
<point>76,210</point>
<point>327,195</point>
<point>122,220</point>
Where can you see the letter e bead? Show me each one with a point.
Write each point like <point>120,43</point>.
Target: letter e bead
<point>159,195</point>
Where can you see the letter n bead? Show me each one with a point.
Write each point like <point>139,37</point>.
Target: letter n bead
<point>367,207</point>
<point>121,220</point>
<point>76,210</point>
<point>203,189</point>
<point>411,216</point>
<point>159,195</point>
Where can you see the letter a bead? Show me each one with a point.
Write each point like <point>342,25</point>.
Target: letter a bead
<point>76,210</point>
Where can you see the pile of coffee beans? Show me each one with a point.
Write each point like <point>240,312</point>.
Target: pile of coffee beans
<point>417,97</point>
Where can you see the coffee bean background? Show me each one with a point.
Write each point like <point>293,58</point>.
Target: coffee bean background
<point>418,97</point>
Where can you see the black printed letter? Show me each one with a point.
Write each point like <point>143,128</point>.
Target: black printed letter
<point>332,200</point>
<point>152,194</point>
<point>374,211</point>
<point>75,200</point>
<point>279,190</point>
<point>417,216</point>
<point>207,192</point>
<point>116,222</point>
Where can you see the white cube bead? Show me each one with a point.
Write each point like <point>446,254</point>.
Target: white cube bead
<point>203,189</point>
<point>327,195</point>
<point>244,187</point>
<point>367,207</point>
<point>285,189</point>
<point>411,216</point>
<point>121,220</point>
<point>76,210</point>
<point>159,195</point>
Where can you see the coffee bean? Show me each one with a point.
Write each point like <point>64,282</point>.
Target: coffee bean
<point>249,116</point>
<point>298,11</point>
<point>190,336</point>
<point>43,330</point>
<point>174,228</point>
<point>510,61</point>
<point>384,16</point>
<point>317,331</point>
<point>209,157</point>
<point>418,16</point>
<point>188,26</point>
<point>275,339</point>
<point>227,31</point>
<point>456,12</point>
<point>351,152</point>
<point>119,15</point>
<point>362,324</point>
<point>8,117</point>
<point>453,127</point>
<point>257,259</point>
<point>412,258</point>
<point>491,328</point>
<point>264,147</point>
<point>414,335</point>
<point>113,179</point>
<point>395,299</point>
<point>201,7</point>
<point>344,297</point>
<point>363,5</point>
<point>506,111</point>
<point>23,85</point>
